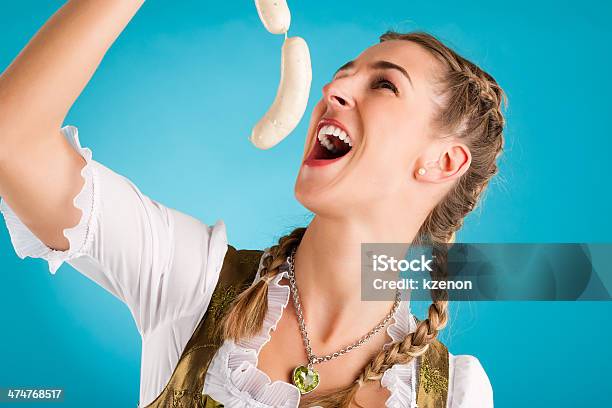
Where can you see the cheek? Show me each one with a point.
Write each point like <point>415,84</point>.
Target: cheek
<point>317,112</point>
<point>394,139</point>
<point>383,169</point>
<point>318,109</point>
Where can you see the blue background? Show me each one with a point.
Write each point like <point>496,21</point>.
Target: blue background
<point>171,108</point>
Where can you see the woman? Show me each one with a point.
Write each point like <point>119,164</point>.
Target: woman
<point>399,148</point>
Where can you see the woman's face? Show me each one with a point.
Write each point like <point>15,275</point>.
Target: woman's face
<point>383,101</point>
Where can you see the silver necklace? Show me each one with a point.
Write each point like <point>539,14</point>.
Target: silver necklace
<point>306,378</point>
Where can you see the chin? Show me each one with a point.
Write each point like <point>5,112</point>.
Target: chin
<point>309,195</point>
<point>324,201</point>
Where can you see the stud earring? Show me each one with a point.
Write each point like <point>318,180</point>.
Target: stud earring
<point>422,171</point>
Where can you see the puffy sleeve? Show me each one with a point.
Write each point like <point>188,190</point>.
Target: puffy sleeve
<point>161,263</point>
<point>469,385</point>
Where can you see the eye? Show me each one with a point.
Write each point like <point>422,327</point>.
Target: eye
<point>384,83</point>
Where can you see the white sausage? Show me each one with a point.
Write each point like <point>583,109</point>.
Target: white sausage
<point>274,15</point>
<point>291,97</point>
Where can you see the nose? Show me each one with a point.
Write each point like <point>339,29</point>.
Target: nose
<point>337,96</point>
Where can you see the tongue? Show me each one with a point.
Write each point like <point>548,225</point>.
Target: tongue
<point>341,148</point>
<point>322,153</point>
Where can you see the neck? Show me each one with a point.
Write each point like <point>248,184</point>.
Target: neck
<point>328,274</point>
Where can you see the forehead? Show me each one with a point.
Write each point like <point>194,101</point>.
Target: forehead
<point>419,63</point>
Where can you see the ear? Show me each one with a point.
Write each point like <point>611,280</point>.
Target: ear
<point>454,160</point>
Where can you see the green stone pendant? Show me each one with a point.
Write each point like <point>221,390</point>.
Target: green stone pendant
<point>305,379</point>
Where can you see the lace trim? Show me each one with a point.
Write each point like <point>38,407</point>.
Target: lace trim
<point>80,237</point>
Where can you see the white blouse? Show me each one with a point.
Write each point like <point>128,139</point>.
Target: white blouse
<point>164,266</point>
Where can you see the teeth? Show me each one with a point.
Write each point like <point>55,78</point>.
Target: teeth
<point>324,140</point>
<point>330,130</point>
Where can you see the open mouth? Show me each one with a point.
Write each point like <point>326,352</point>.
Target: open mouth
<point>332,144</point>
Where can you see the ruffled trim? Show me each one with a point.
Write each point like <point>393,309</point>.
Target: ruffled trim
<point>241,358</point>
<point>278,298</point>
<point>403,323</point>
<point>401,382</point>
<point>400,379</point>
<point>234,378</point>
<point>79,237</point>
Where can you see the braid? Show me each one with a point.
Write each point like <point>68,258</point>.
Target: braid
<point>246,316</point>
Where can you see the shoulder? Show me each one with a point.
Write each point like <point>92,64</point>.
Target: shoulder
<point>469,384</point>
<point>196,243</point>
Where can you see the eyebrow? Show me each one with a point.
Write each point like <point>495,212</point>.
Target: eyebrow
<point>346,66</point>
<point>378,65</point>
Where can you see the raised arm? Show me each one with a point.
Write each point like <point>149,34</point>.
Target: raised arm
<point>39,170</point>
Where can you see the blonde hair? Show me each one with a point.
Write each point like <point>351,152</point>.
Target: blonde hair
<point>470,109</point>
